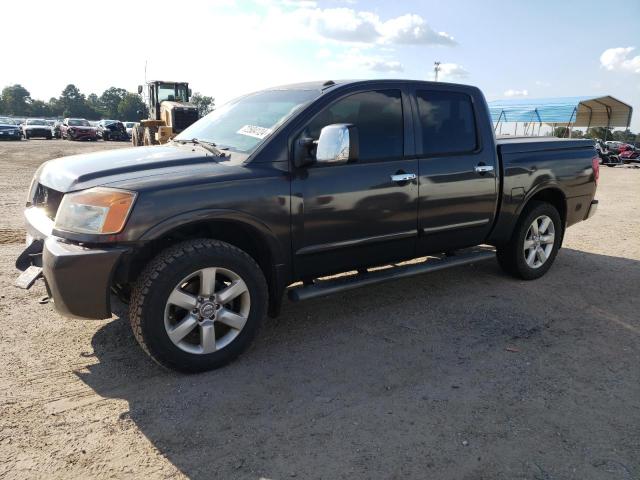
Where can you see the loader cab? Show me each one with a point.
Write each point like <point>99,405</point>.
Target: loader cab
<point>159,91</point>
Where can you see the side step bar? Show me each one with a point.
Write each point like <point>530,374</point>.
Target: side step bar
<point>321,288</point>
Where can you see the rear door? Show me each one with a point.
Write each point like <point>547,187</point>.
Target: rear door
<point>458,186</point>
<point>362,212</point>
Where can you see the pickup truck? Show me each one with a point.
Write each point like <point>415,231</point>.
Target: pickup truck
<point>282,190</point>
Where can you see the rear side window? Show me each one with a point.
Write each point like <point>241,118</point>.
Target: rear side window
<point>447,122</point>
<point>378,117</point>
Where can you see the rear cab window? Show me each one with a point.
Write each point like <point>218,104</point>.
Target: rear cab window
<point>446,123</point>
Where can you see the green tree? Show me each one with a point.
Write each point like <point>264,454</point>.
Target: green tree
<point>602,133</point>
<point>15,100</point>
<point>624,136</point>
<point>38,108</point>
<point>74,104</point>
<point>204,103</point>
<point>93,102</point>
<point>110,100</point>
<point>131,108</point>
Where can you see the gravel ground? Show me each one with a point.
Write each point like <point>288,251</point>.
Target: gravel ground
<point>460,374</point>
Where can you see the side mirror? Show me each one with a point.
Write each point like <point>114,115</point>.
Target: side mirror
<point>139,89</point>
<point>189,91</point>
<point>338,143</point>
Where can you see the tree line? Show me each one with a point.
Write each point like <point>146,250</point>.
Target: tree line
<point>116,103</point>
<point>603,133</point>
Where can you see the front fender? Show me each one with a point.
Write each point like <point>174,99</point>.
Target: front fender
<point>203,215</point>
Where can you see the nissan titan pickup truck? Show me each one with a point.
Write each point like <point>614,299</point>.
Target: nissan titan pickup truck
<point>282,190</point>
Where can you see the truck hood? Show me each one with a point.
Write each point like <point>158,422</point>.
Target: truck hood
<point>78,172</point>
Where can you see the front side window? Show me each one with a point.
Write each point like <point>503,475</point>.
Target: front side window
<point>378,117</point>
<point>447,122</point>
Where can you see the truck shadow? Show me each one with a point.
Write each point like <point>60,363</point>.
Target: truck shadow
<point>389,380</point>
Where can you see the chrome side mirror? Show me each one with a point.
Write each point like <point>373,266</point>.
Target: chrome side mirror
<point>338,143</point>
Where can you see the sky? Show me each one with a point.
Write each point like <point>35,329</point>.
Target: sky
<point>226,48</point>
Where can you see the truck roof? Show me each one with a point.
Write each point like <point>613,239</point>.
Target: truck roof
<point>324,85</point>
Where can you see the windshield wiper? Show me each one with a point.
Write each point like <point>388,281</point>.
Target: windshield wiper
<point>210,146</point>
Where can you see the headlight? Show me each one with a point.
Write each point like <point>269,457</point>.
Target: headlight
<point>97,210</point>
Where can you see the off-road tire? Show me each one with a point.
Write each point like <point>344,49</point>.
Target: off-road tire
<point>511,256</point>
<point>150,136</point>
<point>157,280</point>
<point>136,136</point>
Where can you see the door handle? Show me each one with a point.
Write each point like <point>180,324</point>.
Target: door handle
<point>483,168</point>
<point>403,177</point>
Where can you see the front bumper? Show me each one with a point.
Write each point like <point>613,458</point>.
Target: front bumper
<point>78,278</point>
<point>82,135</point>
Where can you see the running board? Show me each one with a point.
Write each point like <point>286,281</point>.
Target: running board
<point>321,288</point>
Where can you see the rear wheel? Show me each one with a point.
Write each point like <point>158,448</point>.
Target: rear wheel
<point>198,305</point>
<point>534,244</point>
<point>150,136</point>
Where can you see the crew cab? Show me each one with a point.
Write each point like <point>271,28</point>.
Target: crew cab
<point>280,189</point>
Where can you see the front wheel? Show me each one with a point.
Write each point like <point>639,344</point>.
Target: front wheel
<point>535,242</point>
<point>198,305</point>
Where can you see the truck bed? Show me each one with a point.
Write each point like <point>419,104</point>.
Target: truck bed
<point>509,144</point>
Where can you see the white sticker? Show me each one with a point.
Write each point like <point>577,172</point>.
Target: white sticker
<point>254,131</point>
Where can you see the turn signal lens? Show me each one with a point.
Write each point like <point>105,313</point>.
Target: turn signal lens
<point>97,210</point>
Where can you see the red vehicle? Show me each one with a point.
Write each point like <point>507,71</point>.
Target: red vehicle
<point>77,129</point>
<point>629,155</point>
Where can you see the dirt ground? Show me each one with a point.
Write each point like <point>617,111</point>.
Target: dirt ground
<point>460,374</point>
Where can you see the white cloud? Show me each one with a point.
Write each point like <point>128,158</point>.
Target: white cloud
<point>349,25</point>
<point>411,29</point>
<point>450,71</point>
<point>620,59</point>
<point>385,66</point>
<point>516,93</point>
<point>354,58</point>
<point>542,83</point>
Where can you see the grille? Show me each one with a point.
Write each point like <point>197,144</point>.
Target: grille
<point>182,118</point>
<point>48,199</point>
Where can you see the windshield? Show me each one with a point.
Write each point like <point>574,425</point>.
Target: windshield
<point>35,121</point>
<point>172,92</point>
<point>78,122</point>
<point>243,124</point>
<point>7,121</point>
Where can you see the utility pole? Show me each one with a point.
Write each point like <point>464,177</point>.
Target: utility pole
<point>436,69</point>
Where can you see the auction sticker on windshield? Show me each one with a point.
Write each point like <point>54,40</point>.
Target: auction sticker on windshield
<point>254,131</point>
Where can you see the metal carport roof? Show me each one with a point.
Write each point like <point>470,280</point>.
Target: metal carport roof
<point>604,111</point>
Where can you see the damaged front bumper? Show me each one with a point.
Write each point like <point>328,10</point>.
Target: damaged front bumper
<point>78,278</point>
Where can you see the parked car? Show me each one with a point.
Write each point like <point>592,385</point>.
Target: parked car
<point>606,157</point>
<point>77,129</point>
<point>36,127</point>
<point>129,127</point>
<point>9,130</point>
<point>202,236</point>
<point>613,146</point>
<point>112,130</point>
<point>56,129</point>
<point>630,155</point>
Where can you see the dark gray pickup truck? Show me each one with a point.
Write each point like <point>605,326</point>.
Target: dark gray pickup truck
<point>278,190</point>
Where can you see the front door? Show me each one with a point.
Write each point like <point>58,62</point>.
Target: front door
<point>360,213</point>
